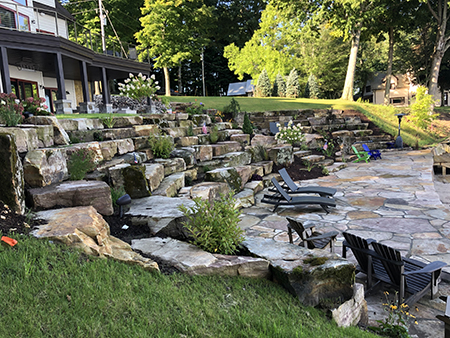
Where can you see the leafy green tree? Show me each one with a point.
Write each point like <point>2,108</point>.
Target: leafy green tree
<point>173,31</point>
<point>292,89</point>
<point>263,86</point>
<point>312,89</point>
<point>280,86</point>
<point>422,110</point>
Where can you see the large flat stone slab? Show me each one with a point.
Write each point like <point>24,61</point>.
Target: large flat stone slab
<point>160,214</point>
<point>192,260</point>
<point>72,194</point>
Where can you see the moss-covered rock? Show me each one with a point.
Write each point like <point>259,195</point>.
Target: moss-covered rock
<point>135,182</point>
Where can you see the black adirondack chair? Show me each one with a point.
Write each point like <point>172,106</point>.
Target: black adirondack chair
<point>368,262</point>
<point>292,188</point>
<point>409,275</point>
<point>311,239</point>
<point>281,197</point>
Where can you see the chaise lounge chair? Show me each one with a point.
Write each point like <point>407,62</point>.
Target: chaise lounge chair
<point>281,197</point>
<point>362,155</point>
<point>311,239</point>
<point>290,187</point>
<point>372,153</point>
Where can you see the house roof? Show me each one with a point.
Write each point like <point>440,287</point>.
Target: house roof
<point>58,8</point>
<point>378,81</point>
<point>240,88</point>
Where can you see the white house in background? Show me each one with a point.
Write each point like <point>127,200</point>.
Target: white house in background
<point>45,53</point>
<point>241,88</point>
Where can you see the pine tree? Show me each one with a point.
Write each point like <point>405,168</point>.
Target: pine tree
<point>263,86</point>
<point>281,85</point>
<point>312,88</point>
<point>292,84</point>
<point>247,126</point>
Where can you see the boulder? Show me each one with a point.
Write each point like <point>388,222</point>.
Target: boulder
<point>12,191</point>
<point>281,155</point>
<point>192,260</point>
<point>125,146</point>
<point>228,175</point>
<point>146,130</point>
<point>43,167</point>
<point>108,149</point>
<point>203,152</point>
<point>172,165</point>
<point>60,135</point>
<point>161,214</point>
<point>223,125</point>
<point>244,199</point>
<point>236,159</point>
<point>245,172</point>
<point>72,194</point>
<point>263,140</point>
<point>26,139</point>
<point>85,229</point>
<point>187,154</point>
<point>44,134</point>
<point>115,174</point>
<point>266,165</point>
<point>354,311</point>
<point>135,181</point>
<point>127,121</point>
<point>187,141</point>
<point>209,191</point>
<point>255,186</point>
<point>176,132</point>
<point>311,275</point>
<point>154,174</point>
<point>199,120</point>
<point>170,185</point>
<point>242,139</point>
<point>92,146</point>
<point>314,141</point>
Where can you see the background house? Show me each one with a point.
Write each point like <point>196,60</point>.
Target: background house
<point>45,53</point>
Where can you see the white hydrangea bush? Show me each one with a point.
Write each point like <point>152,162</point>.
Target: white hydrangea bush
<point>290,133</point>
<point>139,86</point>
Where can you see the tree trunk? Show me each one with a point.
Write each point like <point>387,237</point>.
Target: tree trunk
<point>387,89</point>
<point>439,49</point>
<point>347,93</point>
<point>167,80</point>
<point>180,85</point>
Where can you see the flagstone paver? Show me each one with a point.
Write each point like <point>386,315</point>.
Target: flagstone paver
<point>393,201</point>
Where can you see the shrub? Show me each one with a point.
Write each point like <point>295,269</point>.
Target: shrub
<point>35,106</point>
<point>280,86</point>
<point>292,84</point>
<point>214,227</point>
<point>263,86</point>
<point>139,87</point>
<point>161,145</point>
<point>422,110</point>
<point>233,108</point>
<point>214,135</point>
<point>291,134</point>
<point>109,121</point>
<point>81,161</point>
<point>10,110</point>
<point>312,88</point>
<point>247,128</point>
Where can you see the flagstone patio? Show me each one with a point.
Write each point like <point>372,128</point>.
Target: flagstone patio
<point>393,200</point>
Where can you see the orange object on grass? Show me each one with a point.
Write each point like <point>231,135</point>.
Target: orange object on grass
<point>10,241</point>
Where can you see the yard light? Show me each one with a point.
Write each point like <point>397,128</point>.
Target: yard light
<point>398,140</point>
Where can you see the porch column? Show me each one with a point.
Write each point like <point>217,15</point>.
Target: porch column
<point>87,106</point>
<point>105,93</point>
<point>62,105</point>
<point>4,70</point>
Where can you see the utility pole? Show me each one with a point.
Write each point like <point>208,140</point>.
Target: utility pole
<point>102,24</point>
<point>203,72</point>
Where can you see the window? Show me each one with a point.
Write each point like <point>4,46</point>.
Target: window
<point>22,2</point>
<point>397,100</point>
<point>7,18</point>
<point>24,24</point>
<point>24,89</point>
<point>368,89</point>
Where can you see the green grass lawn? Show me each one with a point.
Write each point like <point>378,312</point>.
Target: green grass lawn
<point>49,290</point>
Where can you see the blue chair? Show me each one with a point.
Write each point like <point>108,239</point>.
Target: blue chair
<point>373,153</point>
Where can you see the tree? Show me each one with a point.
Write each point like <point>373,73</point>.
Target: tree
<point>440,11</point>
<point>173,31</point>
<point>312,89</point>
<point>247,126</point>
<point>263,86</point>
<point>292,89</point>
<point>280,85</point>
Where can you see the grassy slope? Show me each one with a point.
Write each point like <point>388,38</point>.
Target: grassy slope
<point>49,290</point>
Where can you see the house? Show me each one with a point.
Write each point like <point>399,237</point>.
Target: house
<point>45,53</point>
<point>401,93</point>
<point>241,88</point>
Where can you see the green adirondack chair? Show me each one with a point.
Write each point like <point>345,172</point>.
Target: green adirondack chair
<point>362,155</point>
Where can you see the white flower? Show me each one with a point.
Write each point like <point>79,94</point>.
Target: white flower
<point>130,75</point>
<point>127,80</point>
<point>278,125</point>
<point>156,82</point>
<point>153,76</point>
<point>140,74</point>
<point>158,87</point>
